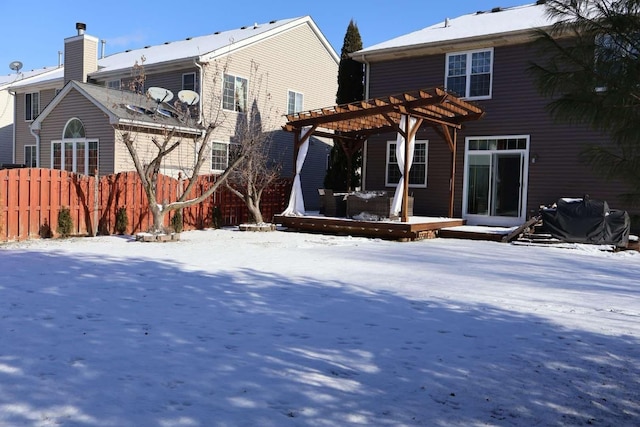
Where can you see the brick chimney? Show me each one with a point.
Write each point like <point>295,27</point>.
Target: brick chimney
<point>80,55</point>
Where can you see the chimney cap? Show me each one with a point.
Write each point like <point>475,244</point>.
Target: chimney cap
<point>81,27</point>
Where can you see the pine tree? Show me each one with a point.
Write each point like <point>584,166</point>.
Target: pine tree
<point>344,171</point>
<point>593,78</point>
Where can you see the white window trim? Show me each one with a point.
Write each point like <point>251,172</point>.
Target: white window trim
<point>296,110</point>
<point>474,219</point>
<point>32,117</point>
<point>228,145</point>
<point>74,162</point>
<point>468,72</point>
<point>235,76</point>
<point>426,164</point>
<point>34,149</point>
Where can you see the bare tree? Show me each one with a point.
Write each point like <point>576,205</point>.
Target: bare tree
<point>257,168</point>
<point>149,153</point>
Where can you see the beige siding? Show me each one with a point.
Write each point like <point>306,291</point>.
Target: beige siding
<point>180,160</point>
<point>96,126</point>
<point>80,57</point>
<point>6,127</point>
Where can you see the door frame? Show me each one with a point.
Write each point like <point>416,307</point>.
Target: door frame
<point>493,220</point>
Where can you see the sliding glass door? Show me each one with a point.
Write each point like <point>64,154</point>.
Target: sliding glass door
<point>495,180</point>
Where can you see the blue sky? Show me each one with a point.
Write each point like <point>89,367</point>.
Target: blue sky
<point>33,32</point>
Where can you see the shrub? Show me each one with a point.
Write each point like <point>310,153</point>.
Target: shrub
<point>176,222</point>
<point>217,217</point>
<point>65,223</point>
<point>122,220</point>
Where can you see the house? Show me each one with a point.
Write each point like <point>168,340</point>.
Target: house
<point>74,119</point>
<point>7,108</point>
<point>513,160</point>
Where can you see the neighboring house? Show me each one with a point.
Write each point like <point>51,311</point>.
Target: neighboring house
<point>75,119</point>
<point>515,158</point>
<point>7,109</point>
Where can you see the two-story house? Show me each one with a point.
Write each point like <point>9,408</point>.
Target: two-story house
<point>7,111</point>
<point>74,119</point>
<point>513,160</point>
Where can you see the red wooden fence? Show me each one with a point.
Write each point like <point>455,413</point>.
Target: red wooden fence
<point>31,198</point>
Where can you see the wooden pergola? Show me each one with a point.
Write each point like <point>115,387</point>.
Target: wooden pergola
<point>351,124</point>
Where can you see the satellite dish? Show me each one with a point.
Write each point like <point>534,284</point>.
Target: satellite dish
<point>160,94</point>
<point>189,97</point>
<point>16,66</point>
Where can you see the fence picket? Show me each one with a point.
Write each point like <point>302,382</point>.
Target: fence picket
<point>30,200</point>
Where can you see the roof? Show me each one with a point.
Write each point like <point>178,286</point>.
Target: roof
<point>24,78</point>
<point>121,107</point>
<point>207,46</point>
<point>482,24</point>
<point>203,48</point>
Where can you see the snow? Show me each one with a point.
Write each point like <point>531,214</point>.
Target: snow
<point>507,20</point>
<point>230,328</point>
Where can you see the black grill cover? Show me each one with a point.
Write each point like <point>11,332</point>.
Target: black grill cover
<point>583,220</point>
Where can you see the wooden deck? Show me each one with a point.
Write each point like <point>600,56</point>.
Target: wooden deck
<point>416,228</point>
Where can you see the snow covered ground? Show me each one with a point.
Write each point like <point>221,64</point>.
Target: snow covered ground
<point>230,328</point>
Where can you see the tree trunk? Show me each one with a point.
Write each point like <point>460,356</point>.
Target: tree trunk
<point>254,209</point>
<point>158,219</point>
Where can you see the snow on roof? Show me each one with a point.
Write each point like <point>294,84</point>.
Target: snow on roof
<point>478,24</point>
<point>27,77</point>
<point>191,47</point>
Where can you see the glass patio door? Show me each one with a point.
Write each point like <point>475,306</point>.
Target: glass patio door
<point>495,181</point>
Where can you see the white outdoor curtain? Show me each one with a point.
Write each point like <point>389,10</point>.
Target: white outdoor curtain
<point>396,206</point>
<point>296,201</point>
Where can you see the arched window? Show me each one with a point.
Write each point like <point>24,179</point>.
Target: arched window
<point>73,129</point>
<point>75,153</point>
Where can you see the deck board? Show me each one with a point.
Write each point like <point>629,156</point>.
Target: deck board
<point>416,229</point>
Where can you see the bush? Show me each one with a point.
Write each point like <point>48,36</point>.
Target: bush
<point>65,223</point>
<point>176,222</point>
<point>122,220</point>
<point>217,217</point>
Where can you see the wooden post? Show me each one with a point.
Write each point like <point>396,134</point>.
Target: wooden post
<point>453,172</point>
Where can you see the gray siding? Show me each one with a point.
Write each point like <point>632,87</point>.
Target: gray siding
<point>515,108</point>
<point>23,136</point>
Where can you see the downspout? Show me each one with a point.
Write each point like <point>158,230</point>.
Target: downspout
<point>202,132</point>
<point>15,120</point>
<point>366,141</point>
<point>37,137</point>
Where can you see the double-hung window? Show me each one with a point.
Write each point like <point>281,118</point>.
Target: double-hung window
<point>294,102</point>
<point>219,156</point>
<point>418,171</point>
<point>114,84</point>
<point>469,74</point>
<point>234,93</point>
<point>189,81</point>
<point>31,106</point>
<point>30,156</point>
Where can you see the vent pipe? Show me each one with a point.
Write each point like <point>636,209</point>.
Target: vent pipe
<point>103,44</point>
<point>59,58</point>
<point>447,23</point>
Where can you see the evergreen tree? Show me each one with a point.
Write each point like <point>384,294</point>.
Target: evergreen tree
<point>591,71</point>
<point>344,170</point>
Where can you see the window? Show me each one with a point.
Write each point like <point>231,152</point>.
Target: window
<point>31,105</point>
<point>234,93</point>
<point>294,102</point>
<point>418,171</point>
<point>30,156</point>
<point>468,74</point>
<point>189,81</point>
<point>219,156</point>
<point>114,84</point>
<point>75,153</point>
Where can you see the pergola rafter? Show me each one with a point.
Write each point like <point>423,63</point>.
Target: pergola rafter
<point>351,124</point>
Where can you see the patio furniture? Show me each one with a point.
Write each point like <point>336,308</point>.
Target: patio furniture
<point>334,203</point>
<point>372,205</point>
